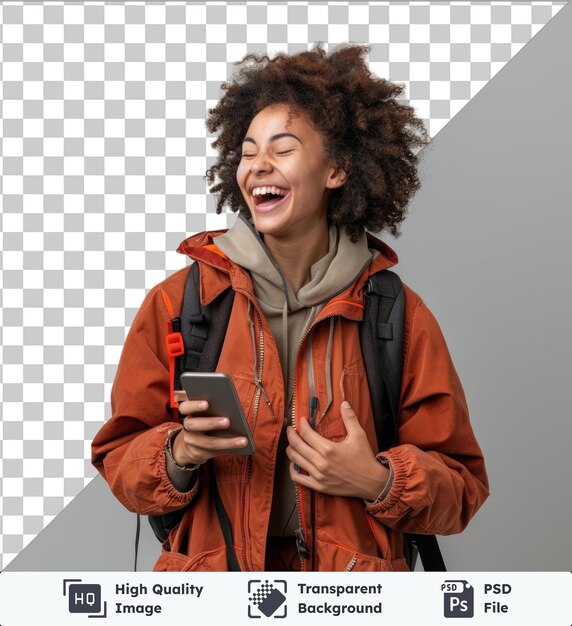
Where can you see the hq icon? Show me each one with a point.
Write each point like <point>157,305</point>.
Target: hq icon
<point>84,598</point>
<point>458,598</point>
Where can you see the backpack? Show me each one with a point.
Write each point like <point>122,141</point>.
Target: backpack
<point>203,329</point>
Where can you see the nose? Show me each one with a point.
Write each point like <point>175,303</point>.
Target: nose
<point>260,164</point>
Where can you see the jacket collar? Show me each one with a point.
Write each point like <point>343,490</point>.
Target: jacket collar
<point>218,272</point>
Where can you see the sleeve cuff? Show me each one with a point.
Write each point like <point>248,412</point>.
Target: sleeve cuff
<point>183,479</point>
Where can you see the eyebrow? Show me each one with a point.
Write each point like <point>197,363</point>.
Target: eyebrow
<point>273,138</point>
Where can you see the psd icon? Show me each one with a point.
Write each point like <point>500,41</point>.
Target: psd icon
<point>459,598</point>
<point>267,598</point>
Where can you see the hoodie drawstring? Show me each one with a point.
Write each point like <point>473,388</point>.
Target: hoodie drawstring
<point>328,368</point>
<point>285,355</point>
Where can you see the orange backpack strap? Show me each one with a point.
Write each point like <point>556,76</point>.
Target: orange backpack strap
<point>175,347</point>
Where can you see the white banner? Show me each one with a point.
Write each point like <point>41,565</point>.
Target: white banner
<point>124,598</point>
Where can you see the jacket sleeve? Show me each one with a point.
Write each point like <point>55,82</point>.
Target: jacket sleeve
<point>129,450</point>
<point>439,477</point>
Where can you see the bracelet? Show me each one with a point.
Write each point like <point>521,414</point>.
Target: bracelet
<point>385,462</point>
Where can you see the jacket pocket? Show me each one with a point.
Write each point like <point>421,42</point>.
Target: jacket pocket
<point>333,557</point>
<point>230,467</point>
<point>211,561</point>
<point>332,427</point>
<point>245,389</point>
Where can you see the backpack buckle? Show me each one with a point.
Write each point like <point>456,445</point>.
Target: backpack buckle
<point>371,287</point>
<point>175,344</point>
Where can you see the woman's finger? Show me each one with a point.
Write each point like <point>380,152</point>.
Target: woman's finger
<point>301,461</point>
<point>189,407</point>
<point>208,443</point>
<point>205,424</point>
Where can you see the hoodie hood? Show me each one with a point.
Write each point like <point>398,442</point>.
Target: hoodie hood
<point>329,276</point>
<point>219,271</point>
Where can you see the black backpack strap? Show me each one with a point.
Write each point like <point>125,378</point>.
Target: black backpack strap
<point>137,536</point>
<point>429,551</point>
<point>381,336</point>
<point>203,329</point>
<point>231,559</point>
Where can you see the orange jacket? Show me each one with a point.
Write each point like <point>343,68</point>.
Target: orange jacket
<point>439,477</point>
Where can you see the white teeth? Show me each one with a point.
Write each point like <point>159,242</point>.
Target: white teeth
<point>260,191</point>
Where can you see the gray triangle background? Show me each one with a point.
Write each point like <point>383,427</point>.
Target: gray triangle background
<point>487,246</point>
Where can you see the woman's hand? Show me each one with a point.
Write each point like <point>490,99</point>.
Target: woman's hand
<point>192,446</point>
<point>347,468</point>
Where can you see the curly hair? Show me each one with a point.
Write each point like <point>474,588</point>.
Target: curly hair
<point>366,128</point>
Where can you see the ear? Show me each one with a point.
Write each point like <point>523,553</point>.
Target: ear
<point>337,177</point>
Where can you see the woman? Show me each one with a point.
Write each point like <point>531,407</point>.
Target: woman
<point>313,150</point>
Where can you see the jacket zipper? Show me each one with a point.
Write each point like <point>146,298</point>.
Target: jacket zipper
<point>245,514</point>
<point>303,550</point>
<point>259,392</point>
<point>301,545</point>
<point>351,564</point>
<point>259,387</point>
<point>311,418</point>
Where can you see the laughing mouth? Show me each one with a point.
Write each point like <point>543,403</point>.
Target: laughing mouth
<point>267,195</point>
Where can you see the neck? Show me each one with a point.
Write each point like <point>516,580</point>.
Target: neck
<point>296,257</point>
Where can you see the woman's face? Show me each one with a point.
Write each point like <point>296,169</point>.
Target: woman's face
<point>283,175</point>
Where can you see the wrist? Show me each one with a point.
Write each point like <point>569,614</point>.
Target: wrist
<point>379,477</point>
<point>388,485</point>
<point>174,448</point>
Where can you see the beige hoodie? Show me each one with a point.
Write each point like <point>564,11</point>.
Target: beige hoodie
<point>289,315</point>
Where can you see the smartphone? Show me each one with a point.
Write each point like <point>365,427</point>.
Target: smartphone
<point>217,388</point>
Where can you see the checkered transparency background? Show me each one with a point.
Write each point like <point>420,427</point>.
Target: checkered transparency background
<point>104,149</point>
